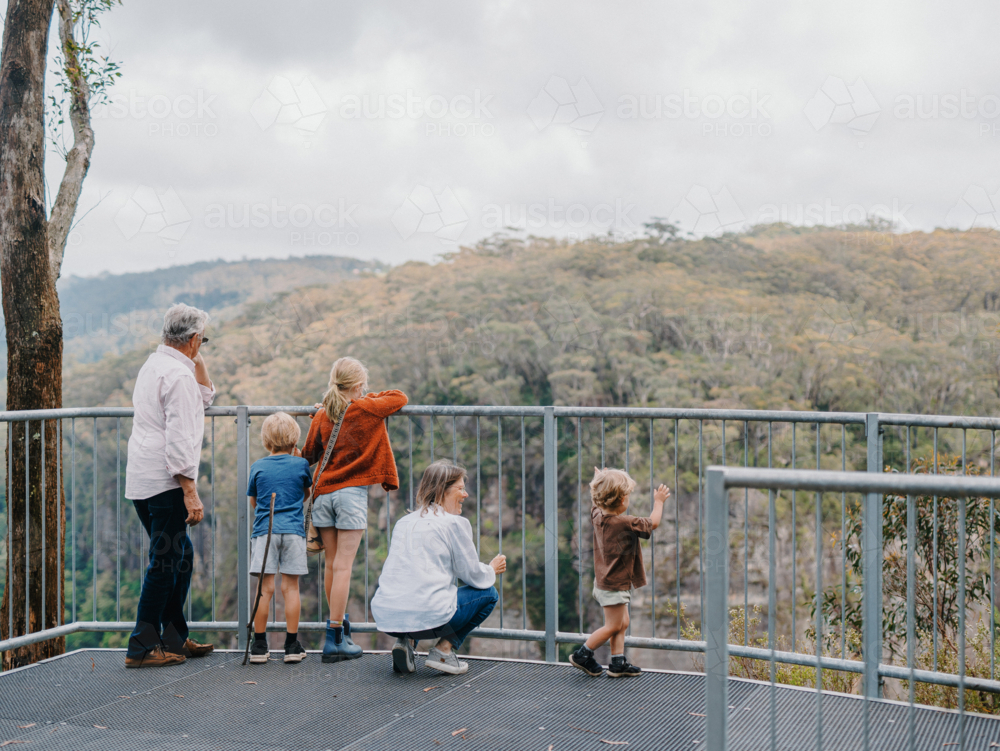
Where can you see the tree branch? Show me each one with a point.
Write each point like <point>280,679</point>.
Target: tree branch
<point>78,158</point>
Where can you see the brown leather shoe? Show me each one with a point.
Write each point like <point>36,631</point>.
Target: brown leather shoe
<point>154,658</point>
<point>197,650</point>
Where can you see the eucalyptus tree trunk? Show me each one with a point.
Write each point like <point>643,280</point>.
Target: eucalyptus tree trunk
<point>31,249</point>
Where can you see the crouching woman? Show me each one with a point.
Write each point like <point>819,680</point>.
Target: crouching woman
<point>417,597</point>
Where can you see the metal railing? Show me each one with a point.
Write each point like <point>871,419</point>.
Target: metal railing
<point>721,480</point>
<point>527,470</point>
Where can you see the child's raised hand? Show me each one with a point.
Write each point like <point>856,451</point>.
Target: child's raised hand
<point>296,452</point>
<point>661,494</point>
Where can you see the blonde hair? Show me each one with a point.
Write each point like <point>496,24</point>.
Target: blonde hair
<point>609,488</point>
<point>346,374</point>
<point>280,432</point>
<point>437,478</point>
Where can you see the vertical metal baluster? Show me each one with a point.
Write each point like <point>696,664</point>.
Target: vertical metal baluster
<point>27,530</point>
<point>214,523</point>
<point>479,496</point>
<point>772,609</point>
<point>746,533</point>
<point>652,540</point>
<point>10,526</point>
<point>794,546</point>
<point>45,561</point>
<point>388,506</point>
<point>93,563</point>
<point>72,505</point>
<point>934,554</point>
<point>454,439</point>
<point>579,515</point>
<point>701,551</point>
<point>524,565</point>
<point>118,523</point>
<point>366,574</point>
<point>626,444</point>
<point>819,605</point>
<point>911,544</point>
<point>432,437</point>
<point>907,449</point>
<point>993,622</point>
<point>409,423</point>
<point>500,500</point>
<point>677,532</point>
<point>961,610</point>
<point>603,460</point>
<point>60,614</point>
<point>843,547</point>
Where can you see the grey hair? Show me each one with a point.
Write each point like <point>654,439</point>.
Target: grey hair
<point>181,322</point>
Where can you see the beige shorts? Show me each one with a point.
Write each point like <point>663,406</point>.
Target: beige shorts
<point>607,598</point>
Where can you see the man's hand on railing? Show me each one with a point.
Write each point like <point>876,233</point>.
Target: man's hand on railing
<point>499,564</point>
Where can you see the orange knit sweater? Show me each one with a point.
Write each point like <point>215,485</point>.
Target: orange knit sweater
<point>362,454</point>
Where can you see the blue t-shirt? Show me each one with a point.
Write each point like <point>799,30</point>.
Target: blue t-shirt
<point>288,476</point>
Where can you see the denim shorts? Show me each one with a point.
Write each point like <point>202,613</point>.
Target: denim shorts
<point>287,554</point>
<point>346,508</point>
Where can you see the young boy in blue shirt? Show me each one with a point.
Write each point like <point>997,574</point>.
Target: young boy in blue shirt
<point>286,474</point>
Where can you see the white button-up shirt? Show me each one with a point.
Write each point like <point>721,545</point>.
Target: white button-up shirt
<point>169,425</point>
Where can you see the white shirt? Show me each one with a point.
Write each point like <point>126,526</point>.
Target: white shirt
<point>169,424</point>
<point>416,590</point>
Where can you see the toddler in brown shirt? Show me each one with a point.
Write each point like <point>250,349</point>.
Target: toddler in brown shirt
<point>618,566</point>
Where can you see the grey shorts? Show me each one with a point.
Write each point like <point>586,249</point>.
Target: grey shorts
<point>606,598</point>
<point>346,508</point>
<point>287,555</point>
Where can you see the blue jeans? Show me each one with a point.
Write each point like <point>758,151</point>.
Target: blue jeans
<point>474,607</point>
<point>160,618</point>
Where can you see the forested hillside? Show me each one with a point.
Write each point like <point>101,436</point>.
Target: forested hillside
<point>777,318</point>
<point>115,313</point>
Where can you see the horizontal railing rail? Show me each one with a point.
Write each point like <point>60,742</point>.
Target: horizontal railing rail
<point>873,487</point>
<point>527,474</point>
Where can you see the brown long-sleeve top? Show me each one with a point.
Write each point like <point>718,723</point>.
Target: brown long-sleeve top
<point>617,555</point>
<point>362,455</point>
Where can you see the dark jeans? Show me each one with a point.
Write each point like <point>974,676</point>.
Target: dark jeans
<point>474,607</point>
<point>160,619</point>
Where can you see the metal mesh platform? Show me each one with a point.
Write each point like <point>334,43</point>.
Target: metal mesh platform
<point>88,700</point>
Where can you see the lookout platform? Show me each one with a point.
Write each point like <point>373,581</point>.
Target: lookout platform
<point>87,700</point>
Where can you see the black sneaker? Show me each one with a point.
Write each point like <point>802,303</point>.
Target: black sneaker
<point>259,652</point>
<point>294,652</point>
<point>621,668</point>
<point>585,662</point>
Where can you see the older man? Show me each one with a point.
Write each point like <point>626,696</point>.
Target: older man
<point>164,451</point>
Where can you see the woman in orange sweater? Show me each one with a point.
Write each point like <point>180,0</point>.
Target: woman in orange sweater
<point>361,457</point>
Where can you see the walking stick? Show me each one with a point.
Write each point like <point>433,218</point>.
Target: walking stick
<point>260,581</point>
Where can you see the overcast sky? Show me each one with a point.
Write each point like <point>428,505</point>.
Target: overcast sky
<point>396,130</point>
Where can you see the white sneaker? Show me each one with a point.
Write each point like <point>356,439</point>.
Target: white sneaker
<point>445,663</point>
<point>402,656</point>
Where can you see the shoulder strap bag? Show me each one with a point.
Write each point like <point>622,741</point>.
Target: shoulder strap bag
<point>314,543</point>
